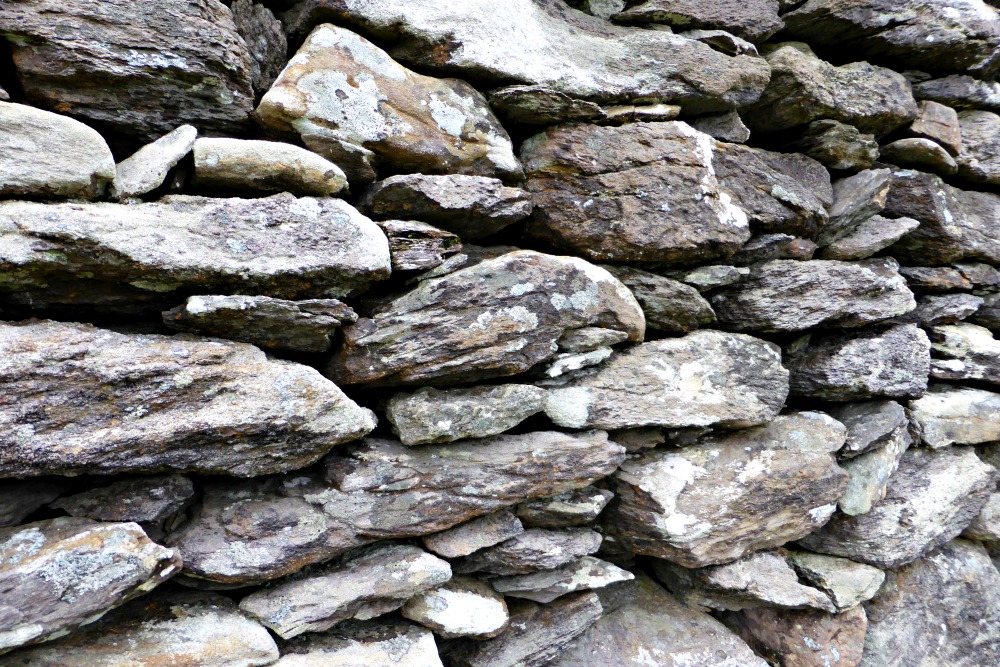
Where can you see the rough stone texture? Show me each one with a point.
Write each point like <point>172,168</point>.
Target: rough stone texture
<point>919,154</point>
<point>979,160</point>
<point>804,88</point>
<point>725,126</point>
<point>969,353</point>
<point>870,425</point>
<point>847,583</point>
<point>18,499</point>
<point>301,326</point>
<point>768,247</point>
<point>931,498</point>
<point>730,495</point>
<point>532,550</point>
<point>431,415</point>
<point>669,305</point>
<point>541,105</point>
<point>871,472</point>
<point>167,63</point>
<point>788,295</point>
<point>576,508</point>
<point>940,610</point>
<point>755,20</point>
<point>935,278</point>
<point>353,104</point>
<point>586,573</point>
<point>956,35</point>
<point>894,363</point>
<point>492,319</point>
<point>938,123</point>
<point>946,309</point>
<point>148,499</point>
<point>265,40</point>
<point>581,56</point>
<point>370,644</point>
<point>988,314</point>
<point>707,278</point>
<point>473,207</point>
<point>837,145</point>
<point>119,256</point>
<point>417,246</point>
<point>365,586</point>
<point>474,535</point>
<point>262,415</point>
<point>264,166</point>
<point>48,155</point>
<point>986,525</point>
<point>177,629</point>
<point>706,378</point>
<point>147,168</point>
<point>960,91</point>
<point>378,490</point>
<point>855,200</point>
<point>60,574</point>
<point>461,607</point>
<point>638,192</point>
<point>867,238</point>
<point>804,638</point>
<point>956,415</point>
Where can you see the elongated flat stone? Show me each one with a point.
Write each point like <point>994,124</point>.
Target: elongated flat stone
<point>264,166</point>
<point>370,644</point>
<point>461,607</point>
<point>147,498</point>
<point>471,536</point>
<point>147,168</point>
<point>585,574</point>
<point>534,549</point>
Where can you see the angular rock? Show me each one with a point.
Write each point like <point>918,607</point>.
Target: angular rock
<point>373,583</point>
<point>938,123</point>
<point>431,415</point>
<point>532,550</point>
<point>492,319</point>
<point>669,305</point>
<point>804,638</point>
<point>589,339</point>
<point>247,165</point>
<point>969,353</point>
<point>788,295</point>
<point>730,495</point>
<point>541,105</point>
<point>855,200</point>
<point>48,155</point>
<point>474,535</point>
<point>894,363</point>
<point>956,415</point>
<point>264,529</point>
<point>185,629</point>
<point>979,161</point>
<point>472,207</point>
<point>921,154</point>
<point>847,583</point>
<point>140,499</point>
<point>773,246</point>
<point>417,246</point>
<point>136,68</point>
<point>870,425</point>
<point>300,326</point>
<point>128,256</point>
<point>837,145</point>
<point>931,499</point>
<point>587,573</point>
<point>349,101</point>
<point>804,88</point>
<point>620,114</point>
<point>18,499</point>
<point>265,40</point>
<point>639,192</point>
<point>706,378</point>
<point>988,314</point>
<point>576,508</point>
<point>935,278</point>
<point>721,41</point>
<point>461,607</point>
<point>871,473</point>
<point>869,237</point>
<point>725,126</point>
<point>946,309</point>
<point>755,20</point>
<point>166,404</point>
<point>960,91</point>
<point>370,644</point>
<point>986,526</point>
<point>60,574</point>
<point>147,168</point>
<point>707,278</point>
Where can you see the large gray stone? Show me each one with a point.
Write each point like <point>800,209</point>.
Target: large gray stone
<point>669,305</point>
<point>755,20</point>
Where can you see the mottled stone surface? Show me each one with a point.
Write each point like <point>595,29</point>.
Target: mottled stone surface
<point>576,508</point>
<point>725,126</point>
<point>474,535</point>
<point>944,309</point>
<point>669,305</point>
<point>939,123</point>
<point>417,246</point>
<point>391,644</point>
<point>870,425</point>
<point>149,498</point>
<point>147,168</point>
<point>949,414</point>
<point>768,247</point>
<point>965,352</point>
<point>534,549</point>
<point>541,105</point>
<point>265,40</point>
<point>803,638</point>
<point>872,471</point>
<point>586,573</point>
<point>461,607</point>
<point>919,153</point>
<point>868,238</point>
<point>755,20</point>
<point>979,159</point>
<point>264,166</point>
<point>846,582</point>
<point>837,145</point>
<point>961,91</point>
<point>855,199</point>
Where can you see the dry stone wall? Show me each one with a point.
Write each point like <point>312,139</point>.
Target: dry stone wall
<point>583,333</point>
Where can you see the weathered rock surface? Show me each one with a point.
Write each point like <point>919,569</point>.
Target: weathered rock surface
<point>931,498</point>
<point>979,160</point>
<point>837,145</point>
<point>179,629</point>
<point>492,319</point>
<point>871,472</point>
<point>847,583</point>
<point>730,495</point>
<point>986,526</point>
<point>136,68</point>
<point>956,415</point>
<point>120,256</point>
<point>147,168</point>
<point>59,574</point>
<point>256,531</point>
<point>961,91</point>
<point>706,278</point>
<point>370,644</point>
<point>541,105</point>
<point>532,550</point>
<point>35,163</point>
<point>938,123</point>
<point>638,192</point>
<point>261,416</point>
<point>965,352</point>
<point>142,499</point>
<point>349,101</point>
<point>788,295</point>
<point>705,378</point>
<point>869,237</point>
<point>669,305</point>
<point>301,326</point>
<point>264,166</point>
<point>461,607</point>
<point>575,508</point>
<point>365,586</point>
<point>586,573</point>
<point>803,638</point>
<point>417,246</point>
<point>474,535</point>
<point>918,153</point>
<point>725,126</point>
<point>265,40</point>
<point>870,425</point>
<point>935,278</point>
<point>945,309</point>
<point>768,247</point>
<point>755,20</point>
<point>18,499</point>
<point>855,199</point>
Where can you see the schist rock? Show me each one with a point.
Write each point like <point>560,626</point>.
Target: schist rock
<point>931,498</point>
<point>18,499</point>
<point>785,295</point>
<point>260,415</point>
<point>638,192</point>
<point>149,498</point>
<point>837,145</point>
<point>944,309</point>
<point>868,238</point>
<point>263,529</point>
<point>471,536</point>
<point>130,257</point>
<point>706,378</point>
<point>541,105</point>
<point>669,305</point>
<point>724,126</point>
<point>371,644</point>
<point>979,160</point>
<point>938,123</point>
<point>870,425</point>
<point>461,607</point>
<point>300,326</point>
<point>855,199</point>
<point>534,549</point>
<point>417,246</point>
<point>871,473</point>
<point>803,638</point>
<point>349,101</point>
<point>935,278</point>
<point>167,63</point>
<point>59,574</point>
<point>919,153</point>
<point>575,508</point>
<point>730,495</point>
<point>847,583</point>
<point>147,168</point>
<point>755,20</point>
<point>949,414</point>
<point>965,352</point>
<point>264,166</point>
<point>586,573</point>
<point>495,318</point>
<point>265,39</point>
<point>768,247</point>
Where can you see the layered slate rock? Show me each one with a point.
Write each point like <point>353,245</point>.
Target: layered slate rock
<point>123,257</point>
<point>948,414</point>
<point>578,55</point>
<point>871,471</point>
<point>63,573</point>
<point>669,305</point>
<point>264,166</point>
<point>855,199</point>
<point>492,319</point>
<point>961,91</point>
<point>380,489</point>
<point>474,535</point>
<point>940,124</point>
<point>638,192</point>
<point>803,638</point>
<point>149,498</point>
<point>979,160</point>
<point>586,573</point>
<point>261,415</point>
<point>969,353</point>
<point>178,628</point>
<point>804,88</point>
<point>706,378</point>
<point>300,326</point>
<point>847,583</point>
<point>462,607</point>
<point>147,168</point>
<point>755,20</point>
<point>534,549</point>
<point>397,644</point>
<point>942,609</point>
<point>945,309</point>
<point>541,105</point>
<point>352,103</point>
<point>785,295</point>
<point>168,63</point>
<point>265,39</point>
<point>910,34</point>
<point>36,163</point>
<point>576,508</point>
<point>870,425</point>
<point>730,495</point>
<point>931,498</point>
<point>868,238</point>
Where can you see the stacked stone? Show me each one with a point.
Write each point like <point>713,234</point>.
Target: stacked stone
<point>478,334</point>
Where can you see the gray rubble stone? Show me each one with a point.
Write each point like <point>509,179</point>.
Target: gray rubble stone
<point>837,145</point>
<point>725,126</point>
<point>532,550</point>
<point>803,638</point>
<point>979,160</point>
<point>471,536</point>
<point>265,40</point>
<point>871,473</point>
<point>919,153</point>
<point>369,644</point>
<point>868,238</point>
<point>461,607</point>
<point>586,573</point>
<point>755,20</point>
<point>847,583</point>
<point>417,246</point>
<point>575,508</point>
<point>855,199</point>
<point>965,352</point>
<point>961,91</point>
<point>944,309</point>
<point>149,498</point>
<point>248,165</point>
<point>939,123</point>
<point>147,168</point>
<point>949,414</point>
<point>541,105</point>
<point>19,498</point>
<point>870,425</point>
<point>669,305</point>
<point>768,247</point>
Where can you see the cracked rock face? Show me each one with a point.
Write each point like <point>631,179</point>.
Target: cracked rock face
<point>847,583</point>
<point>755,20</point>
<point>474,535</point>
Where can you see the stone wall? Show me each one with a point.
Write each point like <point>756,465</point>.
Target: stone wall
<point>413,333</point>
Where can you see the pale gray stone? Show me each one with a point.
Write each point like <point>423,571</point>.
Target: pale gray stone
<point>869,237</point>
<point>948,415</point>
<point>847,583</point>
<point>248,165</point>
<point>587,573</point>
<point>575,508</point>
<point>944,309</point>
<point>707,278</point>
<point>855,199</point>
<point>147,168</point>
<point>986,526</point>
<point>461,607</point>
<point>871,473</point>
<point>417,246</point>
<point>725,126</point>
<point>619,114</point>
<point>474,535</point>
<point>589,339</point>
<point>965,352</point>
<point>532,550</point>
<point>979,160</point>
<point>541,105</point>
<point>369,644</point>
